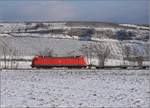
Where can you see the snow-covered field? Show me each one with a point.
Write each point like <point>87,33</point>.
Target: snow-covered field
<point>75,88</point>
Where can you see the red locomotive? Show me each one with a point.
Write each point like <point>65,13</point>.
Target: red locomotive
<point>50,62</point>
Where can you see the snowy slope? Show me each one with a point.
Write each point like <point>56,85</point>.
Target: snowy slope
<point>27,40</point>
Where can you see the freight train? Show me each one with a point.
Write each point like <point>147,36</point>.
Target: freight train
<point>73,62</point>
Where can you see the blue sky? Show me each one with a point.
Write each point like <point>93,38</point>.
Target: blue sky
<point>119,11</point>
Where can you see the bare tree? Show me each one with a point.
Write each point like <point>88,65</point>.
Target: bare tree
<point>8,54</point>
<point>147,49</point>
<point>8,57</point>
<point>140,60</point>
<point>134,55</point>
<point>5,57</point>
<point>127,52</point>
<point>100,50</point>
<point>13,54</point>
<point>86,49</point>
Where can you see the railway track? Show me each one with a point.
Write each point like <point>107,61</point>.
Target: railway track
<point>44,69</point>
<point>61,69</point>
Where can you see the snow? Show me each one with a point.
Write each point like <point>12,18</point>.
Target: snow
<point>75,88</point>
<point>135,26</point>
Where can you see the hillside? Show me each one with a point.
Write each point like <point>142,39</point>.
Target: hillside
<point>70,29</point>
<point>65,38</point>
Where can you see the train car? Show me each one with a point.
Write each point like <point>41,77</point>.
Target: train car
<point>50,62</point>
